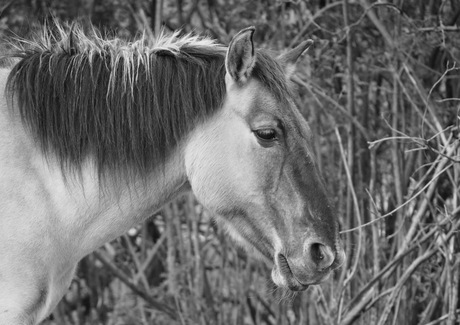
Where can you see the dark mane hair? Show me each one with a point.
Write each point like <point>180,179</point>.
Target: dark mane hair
<point>126,104</point>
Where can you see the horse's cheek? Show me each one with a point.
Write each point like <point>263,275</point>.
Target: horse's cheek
<point>213,190</point>
<point>203,176</point>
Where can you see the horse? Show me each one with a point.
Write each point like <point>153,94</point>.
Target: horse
<point>97,133</point>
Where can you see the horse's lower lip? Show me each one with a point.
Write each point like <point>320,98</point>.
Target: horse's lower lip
<point>299,287</point>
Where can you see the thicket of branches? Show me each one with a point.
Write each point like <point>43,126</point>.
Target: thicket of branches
<point>381,90</point>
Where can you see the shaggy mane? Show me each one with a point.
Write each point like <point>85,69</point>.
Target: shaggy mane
<point>125,104</point>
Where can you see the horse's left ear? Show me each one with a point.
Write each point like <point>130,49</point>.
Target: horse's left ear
<point>240,56</point>
<point>289,59</point>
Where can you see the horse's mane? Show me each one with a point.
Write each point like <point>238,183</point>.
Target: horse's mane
<point>127,104</point>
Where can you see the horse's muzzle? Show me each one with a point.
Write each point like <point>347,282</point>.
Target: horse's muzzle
<point>312,267</point>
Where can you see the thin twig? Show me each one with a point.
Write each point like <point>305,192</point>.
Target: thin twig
<point>138,291</point>
<point>389,267</point>
<point>442,77</point>
<point>355,202</point>
<point>430,183</point>
<point>442,318</point>
<point>317,90</point>
<point>391,300</point>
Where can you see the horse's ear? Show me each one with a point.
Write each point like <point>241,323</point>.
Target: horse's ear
<point>289,59</point>
<point>241,56</point>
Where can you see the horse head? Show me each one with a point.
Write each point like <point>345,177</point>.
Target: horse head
<point>252,163</point>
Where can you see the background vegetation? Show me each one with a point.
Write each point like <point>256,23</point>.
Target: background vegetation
<point>381,89</point>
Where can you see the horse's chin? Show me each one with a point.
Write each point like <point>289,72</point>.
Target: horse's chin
<point>286,279</point>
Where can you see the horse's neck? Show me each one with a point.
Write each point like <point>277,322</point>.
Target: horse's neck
<point>102,214</point>
<point>77,211</point>
<point>49,222</point>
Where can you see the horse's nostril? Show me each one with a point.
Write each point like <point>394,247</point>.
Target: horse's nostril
<point>316,252</point>
<point>321,255</point>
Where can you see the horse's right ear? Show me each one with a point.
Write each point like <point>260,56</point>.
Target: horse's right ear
<point>240,57</point>
<point>289,59</point>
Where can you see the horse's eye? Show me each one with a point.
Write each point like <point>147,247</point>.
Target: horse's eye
<point>266,134</point>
